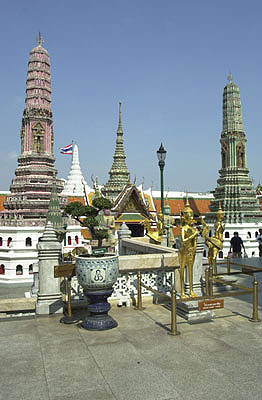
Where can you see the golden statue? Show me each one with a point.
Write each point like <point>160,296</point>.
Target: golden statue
<point>215,243</point>
<point>156,236</point>
<point>187,251</point>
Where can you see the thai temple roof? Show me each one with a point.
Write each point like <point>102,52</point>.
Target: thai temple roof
<point>75,183</point>
<point>177,195</point>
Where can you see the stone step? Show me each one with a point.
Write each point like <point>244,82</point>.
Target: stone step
<point>17,304</point>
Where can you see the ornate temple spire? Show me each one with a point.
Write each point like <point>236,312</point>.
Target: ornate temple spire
<point>32,185</point>
<point>232,114</point>
<point>40,39</point>
<point>54,214</point>
<point>38,84</point>
<point>235,193</point>
<point>120,129</point>
<point>233,138</point>
<point>75,180</point>
<point>119,174</point>
<point>37,130</point>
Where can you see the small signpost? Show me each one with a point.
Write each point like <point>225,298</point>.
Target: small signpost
<point>66,271</point>
<point>210,304</point>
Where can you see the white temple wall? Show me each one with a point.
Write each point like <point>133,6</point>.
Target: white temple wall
<point>19,257</point>
<point>247,232</point>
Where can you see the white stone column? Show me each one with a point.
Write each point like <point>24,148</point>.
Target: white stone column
<point>49,298</point>
<point>123,232</point>
<point>198,269</point>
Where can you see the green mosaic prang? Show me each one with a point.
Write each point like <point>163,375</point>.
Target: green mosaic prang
<point>119,174</point>
<point>235,190</point>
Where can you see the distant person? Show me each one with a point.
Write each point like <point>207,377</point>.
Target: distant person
<point>259,239</point>
<point>236,245</point>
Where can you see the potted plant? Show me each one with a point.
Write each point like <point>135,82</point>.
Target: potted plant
<point>97,272</point>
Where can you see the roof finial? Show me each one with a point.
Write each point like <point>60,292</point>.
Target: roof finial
<point>230,77</point>
<point>39,39</point>
<point>120,118</point>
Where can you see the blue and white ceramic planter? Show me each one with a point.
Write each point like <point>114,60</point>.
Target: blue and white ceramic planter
<point>97,272</point>
<point>97,275</point>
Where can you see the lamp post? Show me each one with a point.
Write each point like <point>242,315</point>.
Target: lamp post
<point>161,155</point>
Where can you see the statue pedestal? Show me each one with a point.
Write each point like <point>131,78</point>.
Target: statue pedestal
<point>189,311</point>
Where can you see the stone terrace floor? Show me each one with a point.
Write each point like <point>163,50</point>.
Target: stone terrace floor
<point>42,359</point>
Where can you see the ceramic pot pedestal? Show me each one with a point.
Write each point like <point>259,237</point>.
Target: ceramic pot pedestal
<point>97,276</point>
<point>98,307</point>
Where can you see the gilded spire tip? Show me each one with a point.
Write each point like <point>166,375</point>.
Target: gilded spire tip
<point>39,39</point>
<point>120,118</point>
<point>230,77</point>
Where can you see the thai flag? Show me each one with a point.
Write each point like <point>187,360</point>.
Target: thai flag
<point>67,149</point>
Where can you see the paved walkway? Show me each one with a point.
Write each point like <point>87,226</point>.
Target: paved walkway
<point>43,359</point>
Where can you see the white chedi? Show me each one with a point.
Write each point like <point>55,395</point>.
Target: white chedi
<point>75,182</point>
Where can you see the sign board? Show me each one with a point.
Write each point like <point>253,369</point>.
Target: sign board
<point>64,270</point>
<point>210,304</point>
<point>99,252</point>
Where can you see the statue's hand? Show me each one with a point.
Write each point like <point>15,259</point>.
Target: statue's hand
<point>196,232</point>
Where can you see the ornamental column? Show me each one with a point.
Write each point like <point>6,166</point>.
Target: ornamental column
<point>49,298</point>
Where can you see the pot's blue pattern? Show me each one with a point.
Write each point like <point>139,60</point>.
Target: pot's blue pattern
<point>97,272</point>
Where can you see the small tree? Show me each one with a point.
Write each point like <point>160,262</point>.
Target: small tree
<point>90,217</point>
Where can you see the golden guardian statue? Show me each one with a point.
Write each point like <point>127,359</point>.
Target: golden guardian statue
<point>187,250</point>
<point>214,243</point>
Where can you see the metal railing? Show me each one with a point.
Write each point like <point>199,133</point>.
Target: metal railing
<point>210,278</point>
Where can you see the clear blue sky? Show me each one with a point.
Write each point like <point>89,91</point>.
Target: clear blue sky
<point>166,60</point>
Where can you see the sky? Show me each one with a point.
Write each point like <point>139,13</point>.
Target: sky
<point>167,61</point>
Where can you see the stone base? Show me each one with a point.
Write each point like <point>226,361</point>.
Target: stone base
<point>189,311</point>
<point>49,304</point>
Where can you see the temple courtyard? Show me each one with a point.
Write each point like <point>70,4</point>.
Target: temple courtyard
<point>42,359</point>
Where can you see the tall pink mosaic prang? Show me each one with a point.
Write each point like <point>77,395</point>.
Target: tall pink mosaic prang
<point>35,174</point>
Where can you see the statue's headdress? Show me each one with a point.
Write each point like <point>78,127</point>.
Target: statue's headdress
<point>220,211</point>
<point>187,207</point>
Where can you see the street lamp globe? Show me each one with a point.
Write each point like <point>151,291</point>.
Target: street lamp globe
<point>161,153</point>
